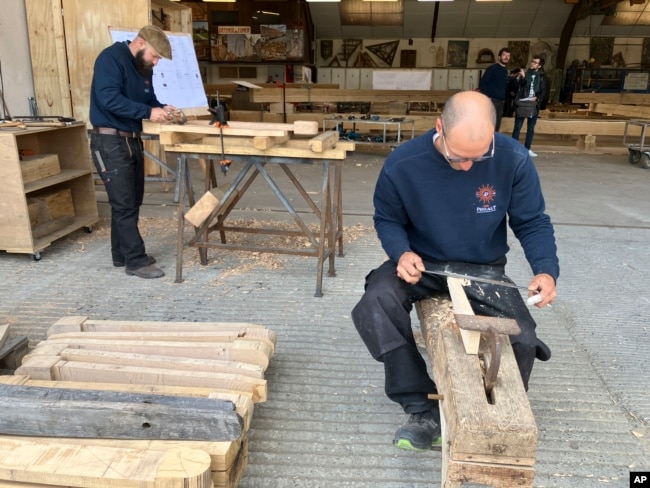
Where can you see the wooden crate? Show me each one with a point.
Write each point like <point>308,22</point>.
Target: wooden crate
<point>39,166</point>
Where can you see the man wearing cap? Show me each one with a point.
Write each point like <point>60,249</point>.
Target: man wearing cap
<point>121,95</point>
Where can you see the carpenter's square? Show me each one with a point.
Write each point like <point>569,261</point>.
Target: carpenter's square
<point>531,300</point>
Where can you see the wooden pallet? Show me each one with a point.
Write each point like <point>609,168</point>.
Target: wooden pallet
<point>209,360</point>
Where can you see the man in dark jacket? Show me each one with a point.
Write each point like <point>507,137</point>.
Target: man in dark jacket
<point>443,201</point>
<point>494,82</point>
<point>121,95</point>
<point>532,85</point>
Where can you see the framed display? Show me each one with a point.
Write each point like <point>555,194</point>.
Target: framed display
<point>457,54</point>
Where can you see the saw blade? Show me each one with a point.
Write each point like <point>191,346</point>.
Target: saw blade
<point>476,278</point>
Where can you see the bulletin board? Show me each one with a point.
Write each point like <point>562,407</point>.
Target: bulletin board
<point>178,81</point>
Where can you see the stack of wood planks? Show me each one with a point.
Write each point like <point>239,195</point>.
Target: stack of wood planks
<point>127,403</point>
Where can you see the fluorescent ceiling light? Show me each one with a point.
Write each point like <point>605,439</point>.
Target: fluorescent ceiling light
<point>380,0</point>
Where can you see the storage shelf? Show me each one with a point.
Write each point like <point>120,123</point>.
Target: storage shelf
<point>65,175</point>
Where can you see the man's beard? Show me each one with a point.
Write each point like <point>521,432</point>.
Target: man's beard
<point>145,68</point>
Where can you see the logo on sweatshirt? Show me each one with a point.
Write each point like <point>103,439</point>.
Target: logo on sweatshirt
<point>485,195</point>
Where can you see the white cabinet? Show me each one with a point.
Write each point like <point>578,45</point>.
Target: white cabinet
<point>324,75</point>
<point>470,79</point>
<point>440,79</point>
<point>455,81</point>
<point>365,76</point>
<point>338,77</point>
<point>352,79</point>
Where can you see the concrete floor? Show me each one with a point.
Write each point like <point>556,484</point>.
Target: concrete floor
<point>327,422</point>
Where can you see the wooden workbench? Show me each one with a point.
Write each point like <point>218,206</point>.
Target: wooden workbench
<point>250,147</point>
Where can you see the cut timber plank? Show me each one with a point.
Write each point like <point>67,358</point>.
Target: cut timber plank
<point>319,95</point>
<point>264,142</point>
<point>299,127</point>
<point>325,140</point>
<point>229,337</point>
<point>54,368</point>
<point>150,361</point>
<point>98,467</point>
<point>243,403</point>
<point>74,323</point>
<point>471,338</point>
<point>244,351</point>
<point>638,112</point>
<point>59,412</point>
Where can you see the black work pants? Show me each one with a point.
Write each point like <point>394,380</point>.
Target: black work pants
<point>120,164</point>
<point>498,106</point>
<point>382,318</point>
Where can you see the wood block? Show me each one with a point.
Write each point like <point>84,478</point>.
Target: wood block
<point>499,430</point>
<point>324,141</point>
<point>53,205</point>
<point>99,467</point>
<point>39,166</point>
<point>61,412</point>
<point>263,143</point>
<point>204,206</point>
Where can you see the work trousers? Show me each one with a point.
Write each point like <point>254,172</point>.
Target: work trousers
<point>530,129</point>
<point>382,318</point>
<point>498,106</point>
<point>120,164</point>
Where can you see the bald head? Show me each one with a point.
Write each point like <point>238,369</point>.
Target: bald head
<point>470,111</point>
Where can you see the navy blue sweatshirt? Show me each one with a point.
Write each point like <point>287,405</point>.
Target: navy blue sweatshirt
<point>494,82</point>
<point>423,205</point>
<point>120,97</point>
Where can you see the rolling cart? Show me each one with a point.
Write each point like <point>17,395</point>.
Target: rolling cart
<point>638,152</point>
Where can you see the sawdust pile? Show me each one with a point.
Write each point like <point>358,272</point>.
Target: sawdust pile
<point>230,262</point>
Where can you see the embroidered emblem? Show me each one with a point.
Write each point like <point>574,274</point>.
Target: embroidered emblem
<point>485,195</point>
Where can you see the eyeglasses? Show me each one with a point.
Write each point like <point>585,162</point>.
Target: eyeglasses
<point>462,160</point>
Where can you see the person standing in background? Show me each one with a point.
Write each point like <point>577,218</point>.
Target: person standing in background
<point>532,87</point>
<point>512,87</point>
<point>494,82</point>
<point>121,95</point>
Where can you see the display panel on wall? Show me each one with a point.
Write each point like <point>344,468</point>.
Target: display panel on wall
<point>273,43</point>
<point>457,54</point>
<point>519,52</point>
<point>601,50</point>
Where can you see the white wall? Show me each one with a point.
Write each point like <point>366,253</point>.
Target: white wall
<point>15,58</point>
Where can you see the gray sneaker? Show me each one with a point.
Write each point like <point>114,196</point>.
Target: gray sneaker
<point>419,433</point>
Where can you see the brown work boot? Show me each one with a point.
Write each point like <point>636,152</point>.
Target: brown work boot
<point>149,271</point>
<point>120,263</point>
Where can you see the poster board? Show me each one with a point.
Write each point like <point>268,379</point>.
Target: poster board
<point>401,80</point>
<point>178,81</point>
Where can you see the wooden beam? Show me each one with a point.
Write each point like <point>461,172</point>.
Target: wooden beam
<point>57,412</point>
